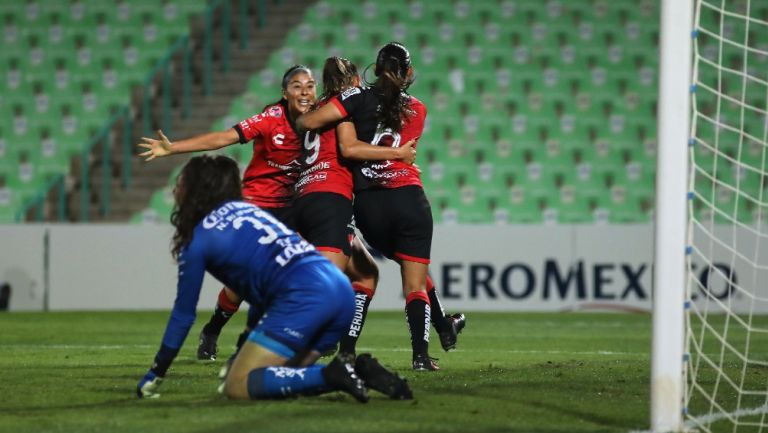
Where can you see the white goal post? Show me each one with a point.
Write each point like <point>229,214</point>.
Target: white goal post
<point>671,215</point>
<point>709,368</point>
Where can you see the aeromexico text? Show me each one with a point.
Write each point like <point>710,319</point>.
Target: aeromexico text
<point>553,280</point>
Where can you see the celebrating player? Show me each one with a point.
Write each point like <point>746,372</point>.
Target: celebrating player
<point>324,189</point>
<point>390,206</point>
<point>269,266</point>
<point>268,180</point>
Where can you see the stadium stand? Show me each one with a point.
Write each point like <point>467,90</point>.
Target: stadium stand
<point>538,111</point>
<point>66,66</point>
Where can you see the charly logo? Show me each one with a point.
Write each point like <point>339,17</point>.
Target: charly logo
<point>293,333</point>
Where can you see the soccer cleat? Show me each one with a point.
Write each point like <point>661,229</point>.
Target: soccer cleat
<point>206,350</point>
<point>456,323</point>
<point>424,362</point>
<point>340,375</point>
<point>379,378</point>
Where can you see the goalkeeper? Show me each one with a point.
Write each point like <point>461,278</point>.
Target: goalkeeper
<point>270,266</point>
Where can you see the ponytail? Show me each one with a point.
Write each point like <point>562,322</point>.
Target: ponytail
<point>392,65</point>
<point>338,75</point>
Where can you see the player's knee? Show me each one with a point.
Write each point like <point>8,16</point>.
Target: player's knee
<point>368,270</point>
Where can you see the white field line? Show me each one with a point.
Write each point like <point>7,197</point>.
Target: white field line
<point>707,419</point>
<point>509,351</point>
<point>691,425</point>
<point>362,349</point>
<point>77,346</point>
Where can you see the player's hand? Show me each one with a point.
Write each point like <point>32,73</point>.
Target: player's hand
<point>407,152</point>
<point>148,385</point>
<point>161,147</point>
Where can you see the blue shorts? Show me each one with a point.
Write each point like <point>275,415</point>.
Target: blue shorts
<point>312,311</point>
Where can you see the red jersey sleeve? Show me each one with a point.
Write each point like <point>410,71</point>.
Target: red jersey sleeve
<point>254,126</point>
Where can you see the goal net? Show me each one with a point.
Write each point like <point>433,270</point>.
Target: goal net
<point>726,344</point>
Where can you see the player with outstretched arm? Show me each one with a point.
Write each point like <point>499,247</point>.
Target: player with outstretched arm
<point>268,180</point>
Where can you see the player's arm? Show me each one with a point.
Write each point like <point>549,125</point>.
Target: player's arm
<point>191,272</point>
<point>202,142</point>
<point>323,116</point>
<point>352,148</point>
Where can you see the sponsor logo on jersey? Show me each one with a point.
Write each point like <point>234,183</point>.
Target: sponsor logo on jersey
<point>323,165</point>
<point>306,180</point>
<point>372,174</point>
<point>381,166</point>
<point>291,166</point>
<point>349,92</point>
<point>278,139</point>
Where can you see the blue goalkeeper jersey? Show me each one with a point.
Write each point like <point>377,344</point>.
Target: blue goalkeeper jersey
<point>245,248</point>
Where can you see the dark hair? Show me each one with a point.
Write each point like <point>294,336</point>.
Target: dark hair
<point>392,64</point>
<point>205,182</point>
<point>289,73</point>
<point>338,74</point>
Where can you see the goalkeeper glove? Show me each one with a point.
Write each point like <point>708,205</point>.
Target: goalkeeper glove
<point>148,385</point>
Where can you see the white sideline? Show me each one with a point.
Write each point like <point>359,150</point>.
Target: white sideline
<point>546,352</point>
<point>362,349</point>
<point>76,346</point>
<point>707,419</point>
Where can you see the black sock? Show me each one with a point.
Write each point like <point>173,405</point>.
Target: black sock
<point>217,321</point>
<point>417,312</point>
<point>362,302</point>
<point>254,315</point>
<point>241,339</point>
<point>438,319</point>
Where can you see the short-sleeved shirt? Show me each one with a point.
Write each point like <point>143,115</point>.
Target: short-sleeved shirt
<point>324,170</point>
<point>270,176</point>
<point>361,104</point>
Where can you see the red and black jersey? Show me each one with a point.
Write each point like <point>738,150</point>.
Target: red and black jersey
<point>268,181</point>
<point>325,170</point>
<point>361,104</point>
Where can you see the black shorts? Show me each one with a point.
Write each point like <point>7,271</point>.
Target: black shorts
<point>397,222</point>
<point>285,215</point>
<point>325,220</point>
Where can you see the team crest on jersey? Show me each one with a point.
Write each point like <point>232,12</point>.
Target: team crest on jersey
<point>349,92</point>
<point>275,111</point>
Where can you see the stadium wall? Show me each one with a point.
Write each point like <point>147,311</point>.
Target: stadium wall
<point>476,268</point>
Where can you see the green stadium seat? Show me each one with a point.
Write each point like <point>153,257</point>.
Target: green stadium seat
<point>571,206</point>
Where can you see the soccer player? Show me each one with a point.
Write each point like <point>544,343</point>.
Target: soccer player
<point>390,206</point>
<point>323,208</point>
<point>268,180</point>
<point>308,302</point>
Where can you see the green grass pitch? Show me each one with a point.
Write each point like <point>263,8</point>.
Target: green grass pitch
<point>76,372</point>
